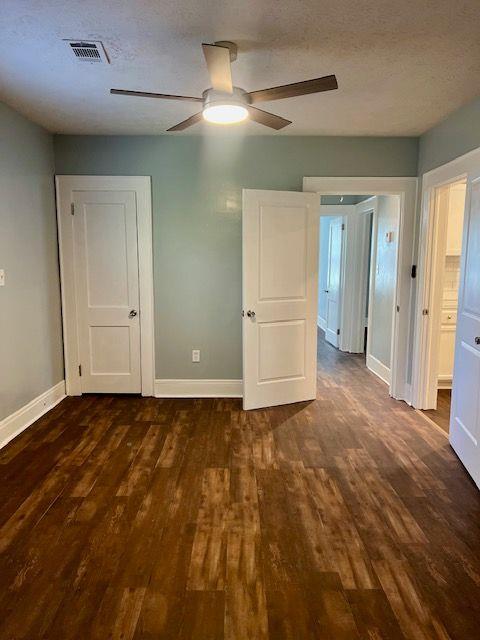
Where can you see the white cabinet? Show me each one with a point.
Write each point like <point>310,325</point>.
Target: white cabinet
<point>446,348</point>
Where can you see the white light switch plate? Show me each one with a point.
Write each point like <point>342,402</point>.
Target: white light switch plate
<point>2,277</point>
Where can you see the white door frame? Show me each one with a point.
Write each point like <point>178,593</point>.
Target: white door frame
<point>427,296</point>
<point>141,185</point>
<point>364,274</point>
<point>406,188</point>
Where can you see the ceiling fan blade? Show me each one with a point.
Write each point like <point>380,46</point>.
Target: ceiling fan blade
<point>187,123</point>
<point>268,119</point>
<point>219,68</point>
<point>144,94</point>
<point>327,83</point>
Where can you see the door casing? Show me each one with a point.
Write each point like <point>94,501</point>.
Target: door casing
<point>427,294</point>
<point>141,185</point>
<point>406,188</point>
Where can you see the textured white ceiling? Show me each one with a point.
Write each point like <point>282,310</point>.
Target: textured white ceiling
<point>401,65</point>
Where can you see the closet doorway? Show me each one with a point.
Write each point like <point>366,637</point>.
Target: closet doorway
<point>446,251</point>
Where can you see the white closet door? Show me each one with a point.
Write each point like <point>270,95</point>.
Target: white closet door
<point>280,290</point>
<point>334,270</point>
<point>465,410</point>
<point>107,291</point>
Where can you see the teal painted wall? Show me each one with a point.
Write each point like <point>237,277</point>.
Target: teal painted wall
<point>453,137</point>
<point>197,183</point>
<point>31,353</point>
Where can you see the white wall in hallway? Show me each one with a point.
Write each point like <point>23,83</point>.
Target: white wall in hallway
<point>383,278</point>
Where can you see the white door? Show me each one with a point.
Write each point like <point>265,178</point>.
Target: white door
<point>465,410</point>
<point>280,290</point>
<point>335,240</point>
<point>107,291</point>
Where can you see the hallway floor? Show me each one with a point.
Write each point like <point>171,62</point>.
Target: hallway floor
<point>441,415</point>
<point>348,517</point>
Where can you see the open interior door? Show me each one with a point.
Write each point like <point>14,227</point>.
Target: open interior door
<point>465,410</point>
<point>334,270</point>
<point>280,289</point>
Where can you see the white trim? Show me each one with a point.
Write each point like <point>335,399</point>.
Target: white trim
<point>322,323</point>
<point>142,187</point>
<point>360,275</point>
<point>406,188</point>
<point>17,422</point>
<point>198,388</point>
<point>422,365</point>
<point>378,368</point>
<point>444,382</point>
<point>408,394</point>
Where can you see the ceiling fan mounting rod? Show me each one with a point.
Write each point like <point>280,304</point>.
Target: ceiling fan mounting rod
<point>231,46</point>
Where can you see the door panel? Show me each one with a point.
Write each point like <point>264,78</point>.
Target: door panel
<point>282,232</point>
<point>335,240</point>
<point>465,413</point>
<point>106,281</point>
<point>280,276</point>
<point>107,277</point>
<point>289,361</point>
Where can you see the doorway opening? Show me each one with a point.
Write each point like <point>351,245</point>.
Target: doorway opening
<point>446,251</point>
<point>358,254</point>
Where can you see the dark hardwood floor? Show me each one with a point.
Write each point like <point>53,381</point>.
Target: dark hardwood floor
<point>441,415</point>
<point>344,518</point>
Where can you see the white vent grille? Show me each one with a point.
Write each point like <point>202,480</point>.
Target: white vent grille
<point>87,51</point>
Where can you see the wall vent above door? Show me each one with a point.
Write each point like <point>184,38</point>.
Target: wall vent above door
<point>87,50</point>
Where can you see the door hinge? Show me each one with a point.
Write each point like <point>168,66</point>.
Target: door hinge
<point>80,370</point>
<point>425,312</point>
<point>72,208</point>
<point>343,226</point>
<point>338,332</point>
<point>414,270</point>
<point>398,308</point>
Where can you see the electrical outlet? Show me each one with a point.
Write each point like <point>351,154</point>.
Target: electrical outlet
<point>195,355</point>
<point>2,277</point>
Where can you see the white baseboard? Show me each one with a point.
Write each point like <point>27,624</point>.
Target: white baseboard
<point>321,322</point>
<point>17,422</point>
<point>378,368</point>
<point>198,388</point>
<point>444,382</point>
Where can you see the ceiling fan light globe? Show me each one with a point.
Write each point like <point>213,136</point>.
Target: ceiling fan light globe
<point>225,113</point>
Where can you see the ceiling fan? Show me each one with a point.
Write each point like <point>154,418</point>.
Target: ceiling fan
<point>224,103</point>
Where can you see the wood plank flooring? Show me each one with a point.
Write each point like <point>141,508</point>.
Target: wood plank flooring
<point>441,415</point>
<point>344,518</point>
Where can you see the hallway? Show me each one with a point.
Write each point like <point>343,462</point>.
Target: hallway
<point>344,518</point>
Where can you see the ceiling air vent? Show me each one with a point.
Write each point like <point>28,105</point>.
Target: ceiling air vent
<point>87,50</point>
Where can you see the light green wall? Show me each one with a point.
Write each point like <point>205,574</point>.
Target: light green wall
<point>453,137</point>
<point>197,183</point>
<point>31,359</point>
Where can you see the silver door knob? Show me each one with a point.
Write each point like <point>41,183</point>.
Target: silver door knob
<point>132,313</point>
<point>251,314</point>
<point>326,290</point>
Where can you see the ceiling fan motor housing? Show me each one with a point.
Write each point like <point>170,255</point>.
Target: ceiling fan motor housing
<point>212,97</point>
